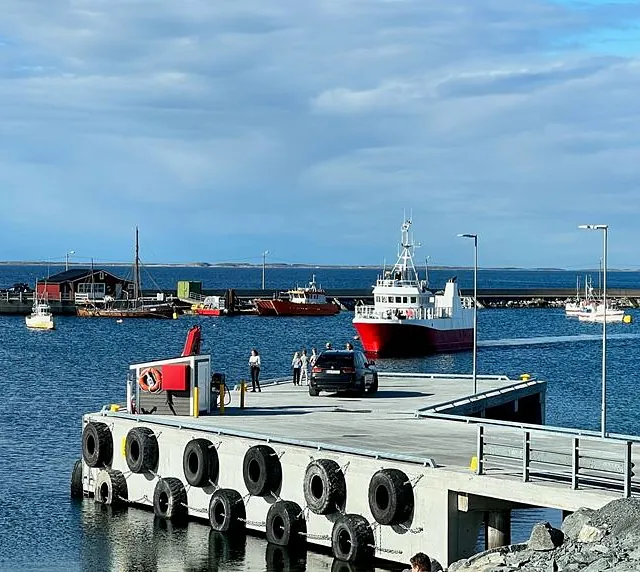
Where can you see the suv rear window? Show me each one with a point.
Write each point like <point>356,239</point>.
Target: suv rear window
<point>327,360</point>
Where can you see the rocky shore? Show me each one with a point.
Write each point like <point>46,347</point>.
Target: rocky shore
<point>604,540</point>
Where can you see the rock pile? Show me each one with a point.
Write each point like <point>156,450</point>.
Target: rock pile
<point>604,540</point>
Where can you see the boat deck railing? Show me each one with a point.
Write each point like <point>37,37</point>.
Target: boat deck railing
<point>394,314</point>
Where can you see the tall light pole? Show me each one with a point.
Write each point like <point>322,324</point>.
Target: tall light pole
<point>66,259</point>
<point>264,264</point>
<point>475,306</point>
<point>603,404</point>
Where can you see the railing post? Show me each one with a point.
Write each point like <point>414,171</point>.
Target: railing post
<point>480,450</point>
<point>526,455</point>
<point>628,469</point>
<point>575,462</point>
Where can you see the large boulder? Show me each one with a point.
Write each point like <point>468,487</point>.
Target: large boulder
<point>544,537</point>
<point>573,523</point>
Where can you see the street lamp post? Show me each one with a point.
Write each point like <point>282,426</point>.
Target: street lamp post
<point>264,264</point>
<point>603,403</point>
<point>475,306</point>
<point>66,259</point>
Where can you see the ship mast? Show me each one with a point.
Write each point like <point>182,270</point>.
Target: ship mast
<point>404,266</point>
<point>136,271</point>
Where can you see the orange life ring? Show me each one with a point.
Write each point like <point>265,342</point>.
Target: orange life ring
<point>153,374</point>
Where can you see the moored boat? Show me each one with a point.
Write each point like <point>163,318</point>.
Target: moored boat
<point>407,318</point>
<point>308,301</point>
<point>596,313</point>
<point>211,306</point>
<point>41,317</point>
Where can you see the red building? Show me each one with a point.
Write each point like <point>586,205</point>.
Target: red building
<point>83,285</point>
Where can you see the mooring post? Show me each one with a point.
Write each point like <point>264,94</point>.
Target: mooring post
<point>243,389</point>
<point>497,529</point>
<point>221,398</point>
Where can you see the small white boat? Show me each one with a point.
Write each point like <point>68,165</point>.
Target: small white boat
<point>581,305</point>
<point>41,317</point>
<point>597,313</point>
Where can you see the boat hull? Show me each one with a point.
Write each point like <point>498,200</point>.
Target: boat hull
<point>92,312</point>
<point>403,339</point>
<point>37,323</point>
<point>209,311</point>
<point>286,308</point>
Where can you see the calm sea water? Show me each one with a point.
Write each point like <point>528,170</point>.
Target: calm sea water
<point>49,379</point>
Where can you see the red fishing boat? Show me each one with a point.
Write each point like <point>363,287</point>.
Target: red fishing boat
<point>309,301</point>
<point>408,319</point>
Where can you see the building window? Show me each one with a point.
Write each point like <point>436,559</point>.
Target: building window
<point>398,299</point>
<point>404,299</point>
<point>413,299</point>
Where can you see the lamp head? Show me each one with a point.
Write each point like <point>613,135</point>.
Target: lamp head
<point>467,236</point>
<point>594,226</point>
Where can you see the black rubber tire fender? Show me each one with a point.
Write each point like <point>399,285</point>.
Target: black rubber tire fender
<point>200,463</point>
<point>170,499</point>
<point>261,470</point>
<point>97,444</point>
<point>77,489</point>
<point>352,539</point>
<point>390,496</point>
<point>141,450</point>
<point>226,510</point>
<point>285,524</point>
<point>111,488</point>
<point>325,489</point>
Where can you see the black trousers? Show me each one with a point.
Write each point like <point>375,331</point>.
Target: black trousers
<point>296,376</point>
<point>255,374</point>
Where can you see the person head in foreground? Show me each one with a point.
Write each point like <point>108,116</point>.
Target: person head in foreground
<point>420,562</point>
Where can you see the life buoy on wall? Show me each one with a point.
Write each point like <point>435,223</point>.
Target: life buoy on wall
<point>150,379</point>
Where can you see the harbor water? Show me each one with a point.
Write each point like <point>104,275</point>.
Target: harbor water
<point>49,379</point>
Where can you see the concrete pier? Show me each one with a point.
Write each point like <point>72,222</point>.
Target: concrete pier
<point>382,476</point>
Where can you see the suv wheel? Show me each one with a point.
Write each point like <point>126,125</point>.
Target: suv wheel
<point>313,392</point>
<point>374,386</point>
<point>361,388</point>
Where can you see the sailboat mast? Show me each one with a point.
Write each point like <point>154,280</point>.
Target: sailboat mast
<point>136,271</point>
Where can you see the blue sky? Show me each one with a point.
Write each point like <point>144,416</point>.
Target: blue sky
<point>224,128</point>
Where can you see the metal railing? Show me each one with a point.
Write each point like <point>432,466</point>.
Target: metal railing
<point>394,314</point>
<point>27,297</point>
<point>580,459</point>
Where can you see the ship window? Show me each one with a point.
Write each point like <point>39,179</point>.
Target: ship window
<point>404,299</point>
<point>377,298</point>
<point>413,299</point>
<point>398,299</point>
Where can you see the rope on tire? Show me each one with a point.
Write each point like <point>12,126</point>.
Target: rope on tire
<point>195,509</point>
<point>275,496</point>
<point>214,485</point>
<point>310,536</point>
<point>411,530</point>
<point>143,499</point>
<point>415,481</point>
<point>345,467</point>
<point>251,522</point>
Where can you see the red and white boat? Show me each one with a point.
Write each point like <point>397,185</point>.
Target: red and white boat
<point>408,319</point>
<point>309,301</point>
<point>211,306</point>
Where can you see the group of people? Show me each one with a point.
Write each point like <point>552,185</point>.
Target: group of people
<point>300,365</point>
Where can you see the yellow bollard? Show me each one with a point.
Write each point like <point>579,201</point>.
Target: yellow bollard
<point>473,466</point>
<point>222,399</point>
<point>196,402</point>
<point>243,390</point>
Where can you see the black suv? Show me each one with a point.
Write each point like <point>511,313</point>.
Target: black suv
<point>18,287</point>
<point>343,370</point>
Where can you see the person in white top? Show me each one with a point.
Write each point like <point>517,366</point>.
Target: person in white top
<point>304,368</point>
<point>296,364</point>
<point>313,357</point>
<point>254,366</point>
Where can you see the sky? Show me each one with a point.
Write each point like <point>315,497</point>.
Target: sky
<point>311,128</point>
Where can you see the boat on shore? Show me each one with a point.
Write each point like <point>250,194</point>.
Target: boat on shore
<point>407,318</point>
<point>308,301</point>
<point>130,306</point>
<point>41,317</point>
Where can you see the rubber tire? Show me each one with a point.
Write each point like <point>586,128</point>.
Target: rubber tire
<point>373,388</point>
<point>202,452</point>
<point>144,456</point>
<point>352,539</point>
<point>97,444</point>
<point>111,488</point>
<point>361,388</point>
<point>313,392</point>
<point>327,475</point>
<point>265,461</point>
<point>390,496</point>
<point>170,499</point>
<point>232,507</point>
<point>285,524</point>
<point>77,489</point>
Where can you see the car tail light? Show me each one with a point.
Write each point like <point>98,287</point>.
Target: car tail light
<point>348,370</point>
<point>316,370</point>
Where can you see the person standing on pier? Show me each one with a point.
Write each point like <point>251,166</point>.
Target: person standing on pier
<point>313,358</point>
<point>295,364</point>
<point>304,368</point>
<point>254,366</point>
